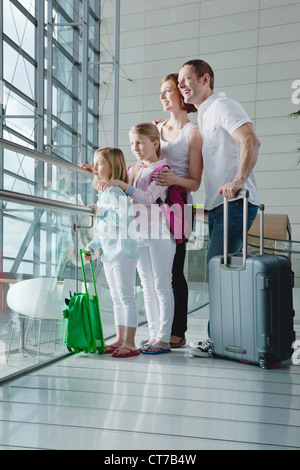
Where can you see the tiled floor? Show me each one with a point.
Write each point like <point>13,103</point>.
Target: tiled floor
<point>169,402</point>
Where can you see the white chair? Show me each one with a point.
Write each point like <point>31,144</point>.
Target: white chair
<point>37,300</point>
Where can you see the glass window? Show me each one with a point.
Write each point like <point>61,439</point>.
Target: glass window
<point>18,71</point>
<point>18,28</point>
<point>43,105</point>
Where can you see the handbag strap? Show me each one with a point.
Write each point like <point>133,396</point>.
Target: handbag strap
<point>83,270</point>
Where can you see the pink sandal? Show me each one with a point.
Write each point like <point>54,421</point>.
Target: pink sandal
<point>114,348</point>
<point>130,353</point>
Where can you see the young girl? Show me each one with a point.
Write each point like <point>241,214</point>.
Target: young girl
<point>156,249</point>
<point>119,251</point>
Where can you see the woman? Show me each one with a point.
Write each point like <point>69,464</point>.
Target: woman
<point>181,146</point>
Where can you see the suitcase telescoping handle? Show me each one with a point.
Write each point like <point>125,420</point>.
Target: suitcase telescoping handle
<point>83,271</point>
<point>244,193</point>
<point>262,225</point>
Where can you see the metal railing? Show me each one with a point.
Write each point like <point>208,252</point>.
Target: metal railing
<point>289,248</point>
<point>44,203</point>
<point>6,144</point>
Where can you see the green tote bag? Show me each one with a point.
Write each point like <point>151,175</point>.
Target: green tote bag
<point>83,321</point>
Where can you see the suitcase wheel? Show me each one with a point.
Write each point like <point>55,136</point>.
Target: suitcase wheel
<point>263,364</point>
<point>267,361</point>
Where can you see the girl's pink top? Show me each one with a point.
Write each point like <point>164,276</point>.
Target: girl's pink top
<point>144,194</point>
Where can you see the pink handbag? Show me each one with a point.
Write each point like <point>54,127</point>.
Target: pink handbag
<point>174,208</point>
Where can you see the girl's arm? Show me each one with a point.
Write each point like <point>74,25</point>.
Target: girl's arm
<point>110,183</point>
<point>149,196</point>
<point>94,245</point>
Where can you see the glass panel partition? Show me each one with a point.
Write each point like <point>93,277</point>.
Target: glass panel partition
<point>196,272</point>
<point>39,269</point>
<point>43,223</point>
<point>289,248</point>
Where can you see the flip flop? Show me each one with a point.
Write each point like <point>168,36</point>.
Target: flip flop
<point>160,351</point>
<point>132,352</point>
<point>146,345</point>
<point>144,342</point>
<point>114,348</point>
<point>178,344</point>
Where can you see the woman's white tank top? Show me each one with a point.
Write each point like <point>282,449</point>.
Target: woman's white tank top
<point>177,153</point>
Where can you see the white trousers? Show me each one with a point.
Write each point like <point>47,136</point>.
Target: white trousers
<point>120,275</point>
<point>155,270</point>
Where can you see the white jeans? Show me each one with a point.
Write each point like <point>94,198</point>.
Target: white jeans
<point>120,275</point>
<point>155,270</point>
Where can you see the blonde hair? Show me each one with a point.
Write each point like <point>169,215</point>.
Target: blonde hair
<point>116,159</point>
<point>189,108</point>
<point>150,131</point>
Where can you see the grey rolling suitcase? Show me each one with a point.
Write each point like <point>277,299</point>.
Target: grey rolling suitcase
<point>251,302</point>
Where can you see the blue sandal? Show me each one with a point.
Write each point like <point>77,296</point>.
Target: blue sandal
<point>159,350</point>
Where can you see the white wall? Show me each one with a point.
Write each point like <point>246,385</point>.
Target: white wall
<point>253,47</point>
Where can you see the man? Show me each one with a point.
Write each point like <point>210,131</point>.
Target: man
<point>230,151</point>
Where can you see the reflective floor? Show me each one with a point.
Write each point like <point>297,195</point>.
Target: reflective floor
<point>36,347</point>
<point>168,402</point>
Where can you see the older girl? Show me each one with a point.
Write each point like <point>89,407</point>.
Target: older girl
<point>156,244</point>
